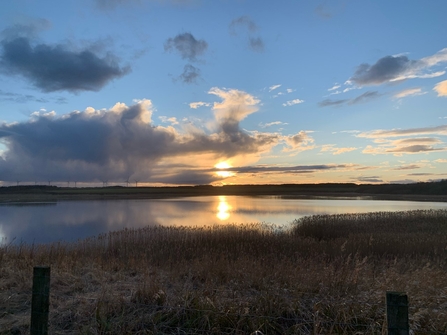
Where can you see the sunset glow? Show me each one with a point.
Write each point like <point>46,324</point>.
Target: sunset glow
<point>222,92</point>
<point>223,209</point>
<point>223,166</point>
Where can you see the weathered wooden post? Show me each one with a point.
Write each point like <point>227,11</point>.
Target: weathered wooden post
<point>397,313</point>
<point>40,303</point>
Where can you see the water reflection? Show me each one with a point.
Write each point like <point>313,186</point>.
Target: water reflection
<point>72,220</point>
<point>223,209</point>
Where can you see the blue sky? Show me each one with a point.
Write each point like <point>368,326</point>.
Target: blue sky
<point>219,92</point>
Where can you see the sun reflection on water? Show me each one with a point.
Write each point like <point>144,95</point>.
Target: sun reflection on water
<point>223,209</point>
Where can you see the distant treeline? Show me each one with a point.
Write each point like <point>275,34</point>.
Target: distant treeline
<point>438,188</point>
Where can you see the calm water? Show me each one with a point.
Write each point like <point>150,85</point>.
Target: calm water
<point>73,220</point>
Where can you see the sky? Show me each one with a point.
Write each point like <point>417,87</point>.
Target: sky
<point>188,92</point>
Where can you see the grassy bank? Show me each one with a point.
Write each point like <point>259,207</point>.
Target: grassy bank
<point>328,275</point>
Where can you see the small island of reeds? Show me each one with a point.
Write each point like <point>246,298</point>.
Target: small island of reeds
<point>326,275</point>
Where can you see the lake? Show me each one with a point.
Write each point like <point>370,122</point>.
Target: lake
<point>73,220</point>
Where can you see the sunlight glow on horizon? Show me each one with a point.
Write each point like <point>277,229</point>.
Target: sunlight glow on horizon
<point>223,166</point>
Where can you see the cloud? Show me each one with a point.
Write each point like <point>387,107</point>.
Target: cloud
<point>408,146</point>
<point>23,98</point>
<point>335,87</point>
<point>246,25</point>
<point>399,67</point>
<point>30,29</point>
<point>440,130</point>
<point>190,74</point>
<point>441,88</point>
<point>330,102</point>
<point>287,169</point>
<point>298,142</point>
<point>256,44</point>
<point>336,151</point>
<point>365,97</point>
<point>323,12</point>
<point>187,46</point>
<point>195,105</point>
<point>171,120</point>
<point>293,102</point>
<point>409,143</point>
<point>112,4</point>
<point>370,179</point>
<point>236,104</point>
<point>369,95</point>
<point>441,160</point>
<point>122,142</point>
<point>275,123</point>
<point>408,92</point>
<point>407,167</point>
<point>56,68</point>
<point>243,22</point>
<point>274,87</point>
<point>412,149</point>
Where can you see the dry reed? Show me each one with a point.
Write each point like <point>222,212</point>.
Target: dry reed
<point>326,275</point>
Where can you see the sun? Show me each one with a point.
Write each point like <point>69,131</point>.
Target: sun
<point>223,166</point>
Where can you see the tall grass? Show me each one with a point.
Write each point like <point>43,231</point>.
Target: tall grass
<point>326,275</point>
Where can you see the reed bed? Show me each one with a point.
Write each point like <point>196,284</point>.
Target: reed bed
<point>326,275</point>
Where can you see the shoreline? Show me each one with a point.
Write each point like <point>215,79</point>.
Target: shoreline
<point>39,194</point>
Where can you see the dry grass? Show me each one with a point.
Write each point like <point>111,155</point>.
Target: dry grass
<point>328,275</point>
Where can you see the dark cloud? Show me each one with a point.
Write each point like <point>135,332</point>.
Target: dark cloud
<point>245,25</point>
<point>115,145</point>
<point>30,30</point>
<point>384,70</point>
<point>190,74</point>
<point>331,102</point>
<point>372,179</point>
<point>187,46</point>
<point>323,11</point>
<point>55,68</point>
<point>369,95</point>
<point>413,149</point>
<point>23,98</point>
<point>285,169</point>
<point>407,167</point>
<point>111,4</point>
<point>256,44</point>
<point>187,177</point>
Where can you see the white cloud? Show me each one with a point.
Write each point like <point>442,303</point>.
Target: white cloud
<point>292,102</point>
<point>275,123</point>
<point>336,151</point>
<point>441,88</point>
<point>333,88</point>
<point>171,120</point>
<point>195,105</point>
<point>236,105</point>
<point>299,142</point>
<point>274,87</point>
<point>409,92</point>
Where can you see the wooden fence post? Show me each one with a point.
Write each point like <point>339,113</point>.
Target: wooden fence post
<point>40,301</point>
<point>397,313</point>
